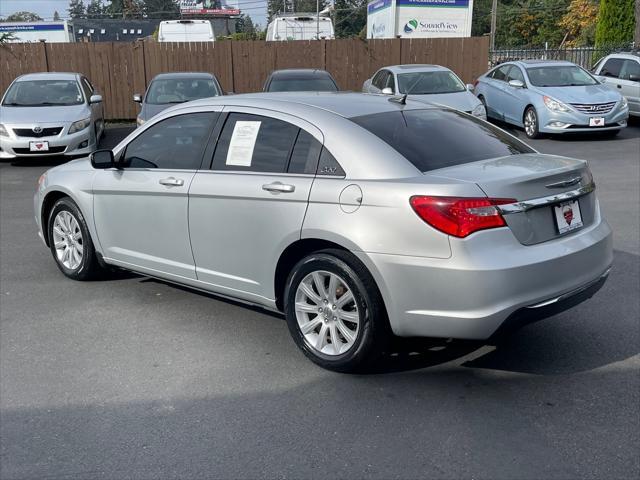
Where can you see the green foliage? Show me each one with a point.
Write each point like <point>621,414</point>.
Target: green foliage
<point>350,18</point>
<point>6,37</point>
<point>23,17</point>
<point>76,9</point>
<point>95,9</point>
<point>616,22</point>
<point>56,16</point>
<point>166,9</point>
<point>245,27</point>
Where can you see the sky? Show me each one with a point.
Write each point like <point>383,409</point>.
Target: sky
<point>45,8</point>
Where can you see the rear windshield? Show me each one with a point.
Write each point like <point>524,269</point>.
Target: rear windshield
<point>433,138</point>
<point>317,84</point>
<point>179,90</point>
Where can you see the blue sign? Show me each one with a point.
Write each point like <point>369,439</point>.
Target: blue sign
<point>378,5</point>
<point>434,3</point>
<point>36,27</point>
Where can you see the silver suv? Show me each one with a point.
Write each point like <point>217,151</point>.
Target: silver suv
<point>621,72</point>
<point>358,216</point>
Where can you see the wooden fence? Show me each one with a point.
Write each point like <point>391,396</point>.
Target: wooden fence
<point>118,70</point>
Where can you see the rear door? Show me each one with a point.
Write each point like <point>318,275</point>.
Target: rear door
<point>250,205</point>
<point>141,210</point>
<point>495,94</point>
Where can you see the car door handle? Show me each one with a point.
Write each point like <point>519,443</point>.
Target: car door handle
<point>172,182</point>
<point>278,187</point>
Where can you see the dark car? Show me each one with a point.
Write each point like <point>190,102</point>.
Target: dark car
<point>167,89</point>
<point>300,80</point>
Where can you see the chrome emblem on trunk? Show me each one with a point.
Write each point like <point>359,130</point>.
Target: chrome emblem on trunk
<point>565,183</point>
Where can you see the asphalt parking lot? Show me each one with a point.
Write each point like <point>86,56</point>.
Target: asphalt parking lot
<point>135,378</point>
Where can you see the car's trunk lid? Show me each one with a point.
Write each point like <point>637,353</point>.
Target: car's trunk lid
<point>528,177</point>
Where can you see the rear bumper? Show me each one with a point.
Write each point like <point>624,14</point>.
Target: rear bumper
<point>489,277</point>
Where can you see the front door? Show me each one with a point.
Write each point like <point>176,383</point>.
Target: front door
<point>250,206</point>
<point>141,210</point>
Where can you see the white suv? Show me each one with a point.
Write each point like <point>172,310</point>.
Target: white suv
<point>621,72</point>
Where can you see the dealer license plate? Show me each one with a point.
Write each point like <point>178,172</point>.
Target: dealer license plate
<point>38,146</point>
<point>568,216</point>
<point>596,122</point>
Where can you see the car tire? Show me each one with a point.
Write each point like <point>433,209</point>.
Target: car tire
<point>345,336</point>
<point>484,104</point>
<point>531,123</point>
<point>70,242</point>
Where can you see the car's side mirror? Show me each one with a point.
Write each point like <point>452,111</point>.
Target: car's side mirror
<point>516,83</point>
<point>95,99</point>
<point>470,87</point>
<point>387,91</point>
<point>137,98</point>
<point>634,78</point>
<point>101,159</point>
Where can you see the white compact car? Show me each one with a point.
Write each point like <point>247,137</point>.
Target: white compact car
<point>621,72</point>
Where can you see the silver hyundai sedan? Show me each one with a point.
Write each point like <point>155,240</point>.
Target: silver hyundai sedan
<point>358,216</point>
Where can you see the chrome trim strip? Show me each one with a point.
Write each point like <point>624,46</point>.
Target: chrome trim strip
<point>564,296</point>
<point>567,183</point>
<point>521,207</point>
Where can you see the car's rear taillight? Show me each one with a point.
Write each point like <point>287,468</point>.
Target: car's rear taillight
<point>475,83</point>
<point>460,216</point>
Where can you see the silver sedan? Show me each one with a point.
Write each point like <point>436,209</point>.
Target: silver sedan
<point>358,216</point>
<point>50,114</point>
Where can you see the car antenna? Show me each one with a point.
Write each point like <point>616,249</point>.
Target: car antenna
<point>402,100</point>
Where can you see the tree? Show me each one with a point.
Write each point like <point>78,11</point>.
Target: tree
<point>161,8</point>
<point>350,17</point>
<point>615,22</point>
<point>133,9</point>
<point>76,9</point>
<point>579,23</point>
<point>95,9</point>
<point>115,8</point>
<point>56,16</point>
<point>23,17</point>
<point>6,37</point>
<point>245,26</point>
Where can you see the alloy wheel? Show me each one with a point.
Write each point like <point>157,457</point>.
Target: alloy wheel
<point>67,240</point>
<point>327,313</point>
<point>530,123</point>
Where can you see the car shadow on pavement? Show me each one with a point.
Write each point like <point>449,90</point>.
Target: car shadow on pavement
<point>594,334</point>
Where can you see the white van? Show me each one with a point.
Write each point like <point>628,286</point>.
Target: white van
<point>186,31</point>
<point>299,26</point>
<point>50,32</point>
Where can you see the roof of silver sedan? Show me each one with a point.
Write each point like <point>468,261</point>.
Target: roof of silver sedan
<point>415,68</point>
<point>174,75</point>
<point>345,104</point>
<point>542,63</point>
<point>48,76</point>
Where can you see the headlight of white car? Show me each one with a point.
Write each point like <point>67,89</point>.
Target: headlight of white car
<point>624,103</point>
<point>555,105</point>
<point>80,125</point>
<point>3,131</point>
<point>479,111</point>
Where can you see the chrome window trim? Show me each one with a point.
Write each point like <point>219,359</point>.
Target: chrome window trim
<point>521,207</point>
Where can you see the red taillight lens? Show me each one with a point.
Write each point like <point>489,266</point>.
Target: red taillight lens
<point>475,84</point>
<point>460,216</point>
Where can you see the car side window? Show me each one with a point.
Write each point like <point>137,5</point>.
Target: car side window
<point>501,73</point>
<point>391,83</point>
<point>611,68</point>
<point>175,143</point>
<point>254,143</point>
<point>305,155</point>
<point>86,88</point>
<point>515,74</point>
<point>629,67</point>
<point>381,79</point>
<point>328,165</point>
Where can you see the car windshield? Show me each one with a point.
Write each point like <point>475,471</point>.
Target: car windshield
<point>426,83</point>
<point>560,76</point>
<point>440,138</point>
<point>43,93</point>
<point>179,90</point>
<point>315,84</point>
